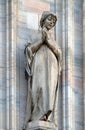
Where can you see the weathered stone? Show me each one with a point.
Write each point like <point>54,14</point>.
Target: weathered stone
<point>43,68</point>
<point>41,125</point>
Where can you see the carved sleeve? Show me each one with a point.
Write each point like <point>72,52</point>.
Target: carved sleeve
<point>30,51</point>
<point>56,50</point>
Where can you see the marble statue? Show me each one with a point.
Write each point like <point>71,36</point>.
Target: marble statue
<point>43,68</point>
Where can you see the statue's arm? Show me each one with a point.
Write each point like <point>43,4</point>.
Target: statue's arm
<point>53,46</point>
<point>29,52</point>
<point>51,43</point>
<point>57,51</point>
<point>38,43</point>
<point>35,46</point>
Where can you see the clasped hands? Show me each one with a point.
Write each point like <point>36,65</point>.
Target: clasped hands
<point>51,43</point>
<point>45,35</point>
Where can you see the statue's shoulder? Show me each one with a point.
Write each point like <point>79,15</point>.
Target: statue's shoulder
<point>35,36</point>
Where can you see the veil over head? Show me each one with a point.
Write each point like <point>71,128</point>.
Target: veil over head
<point>45,15</point>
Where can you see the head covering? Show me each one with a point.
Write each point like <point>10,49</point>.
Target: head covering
<point>45,15</point>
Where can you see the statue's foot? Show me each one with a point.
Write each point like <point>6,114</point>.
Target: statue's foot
<point>44,118</point>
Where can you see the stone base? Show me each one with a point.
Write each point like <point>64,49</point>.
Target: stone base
<point>41,125</point>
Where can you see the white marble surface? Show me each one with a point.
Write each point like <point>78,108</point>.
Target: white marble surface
<point>41,125</point>
<point>13,90</point>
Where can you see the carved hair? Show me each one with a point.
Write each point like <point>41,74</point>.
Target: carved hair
<point>45,15</point>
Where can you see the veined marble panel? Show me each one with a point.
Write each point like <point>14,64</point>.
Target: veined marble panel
<point>70,35</point>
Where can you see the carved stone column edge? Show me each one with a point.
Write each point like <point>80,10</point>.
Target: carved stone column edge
<point>84,57</point>
<point>67,74</point>
<point>2,64</point>
<point>11,64</point>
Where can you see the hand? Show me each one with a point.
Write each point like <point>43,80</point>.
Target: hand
<point>44,34</point>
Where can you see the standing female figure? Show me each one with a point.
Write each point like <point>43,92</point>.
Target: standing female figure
<point>43,67</point>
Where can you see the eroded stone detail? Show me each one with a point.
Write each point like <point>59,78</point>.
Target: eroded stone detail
<point>43,68</point>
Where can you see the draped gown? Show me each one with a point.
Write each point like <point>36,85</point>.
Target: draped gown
<point>42,85</point>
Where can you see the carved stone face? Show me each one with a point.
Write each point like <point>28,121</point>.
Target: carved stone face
<point>49,22</point>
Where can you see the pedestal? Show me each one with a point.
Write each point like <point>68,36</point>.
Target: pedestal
<point>41,125</point>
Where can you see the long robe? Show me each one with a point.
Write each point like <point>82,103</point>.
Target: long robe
<point>43,83</point>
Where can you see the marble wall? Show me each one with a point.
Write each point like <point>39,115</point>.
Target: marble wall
<point>70,35</point>
<point>84,58</point>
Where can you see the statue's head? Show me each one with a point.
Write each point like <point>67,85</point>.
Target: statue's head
<point>48,20</point>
